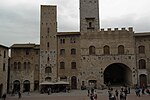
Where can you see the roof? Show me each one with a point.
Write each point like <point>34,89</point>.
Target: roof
<point>67,33</point>
<point>29,45</point>
<point>142,34</point>
<point>4,46</point>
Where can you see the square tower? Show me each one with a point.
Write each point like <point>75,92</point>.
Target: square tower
<point>89,15</point>
<point>48,43</point>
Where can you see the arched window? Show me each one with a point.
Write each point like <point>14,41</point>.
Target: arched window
<point>141,49</point>
<point>48,70</point>
<point>28,65</point>
<point>48,79</point>
<point>62,51</point>
<point>15,65</point>
<point>25,65</point>
<point>142,64</point>
<point>120,49</point>
<point>92,50</point>
<point>106,49</point>
<point>62,65</point>
<point>73,51</point>
<point>19,65</point>
<point>73,65</point>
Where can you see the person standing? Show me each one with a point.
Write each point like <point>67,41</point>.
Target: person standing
<point>19,94</point>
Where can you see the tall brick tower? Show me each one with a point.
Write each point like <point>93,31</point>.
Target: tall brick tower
<point>48,43</point>
<point>89,15</point>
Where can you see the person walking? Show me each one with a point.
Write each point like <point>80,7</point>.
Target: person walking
<point>95,95</point>
<point>91,97</point>
<point>4,96</point>
<point>117,93</point>
<point>88,92</point>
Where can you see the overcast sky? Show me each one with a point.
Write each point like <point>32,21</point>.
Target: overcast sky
<point>19,19</point>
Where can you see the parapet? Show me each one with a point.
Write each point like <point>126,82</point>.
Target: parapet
<point>130,29</point>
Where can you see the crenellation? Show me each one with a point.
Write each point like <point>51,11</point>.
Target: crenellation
<point>115,29</point>
<point>123,29</point>
<point>109,29</point>
<point>130,29</point>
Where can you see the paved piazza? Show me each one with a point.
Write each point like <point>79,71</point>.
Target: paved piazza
<point>73,95</point>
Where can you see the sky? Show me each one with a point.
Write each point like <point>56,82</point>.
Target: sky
<point>19,19</point>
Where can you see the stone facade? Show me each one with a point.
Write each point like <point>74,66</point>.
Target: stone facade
<point>98,52</point>
<point>142,57</point>
<point>24,67</point>
<point>3,69</point>
<point>92,57</point>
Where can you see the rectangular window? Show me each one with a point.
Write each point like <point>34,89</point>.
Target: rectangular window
<point>48,30</point>
<point>27,51</point>
<point>37,52</point>
<point>73,65</point>
<point>62,65</point>
<point>4,54</point>
<point>4,67</point>
<point>48,44</point>
<point>72,40</point>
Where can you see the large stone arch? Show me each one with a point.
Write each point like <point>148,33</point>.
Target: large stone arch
<point>117,74</point>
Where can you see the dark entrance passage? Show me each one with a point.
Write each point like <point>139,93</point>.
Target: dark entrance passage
<point>73,82</point>
<point>143,80</point>
<point>117,74</point>
<point>16,87</point>
<point>26,86</point>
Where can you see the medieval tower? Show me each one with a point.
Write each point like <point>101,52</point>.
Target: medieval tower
<point>89,15</point>
<point>48,41</point>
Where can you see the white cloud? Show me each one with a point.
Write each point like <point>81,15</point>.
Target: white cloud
<point>20,18</point>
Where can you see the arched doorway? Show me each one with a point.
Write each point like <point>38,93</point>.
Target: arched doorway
<point>16,87</point>
<point>36,85</point>
<point>73,82</point>
<point>1,90</point>
<point>117,74</point>
<point>143,80</point>
<point>26,86</point>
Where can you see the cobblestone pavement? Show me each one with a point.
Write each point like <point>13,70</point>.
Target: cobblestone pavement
<point>73,95</point>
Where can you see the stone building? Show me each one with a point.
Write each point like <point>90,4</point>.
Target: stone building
<point>92,57</point>
<point>3,69</point>
<point>24,67</point>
